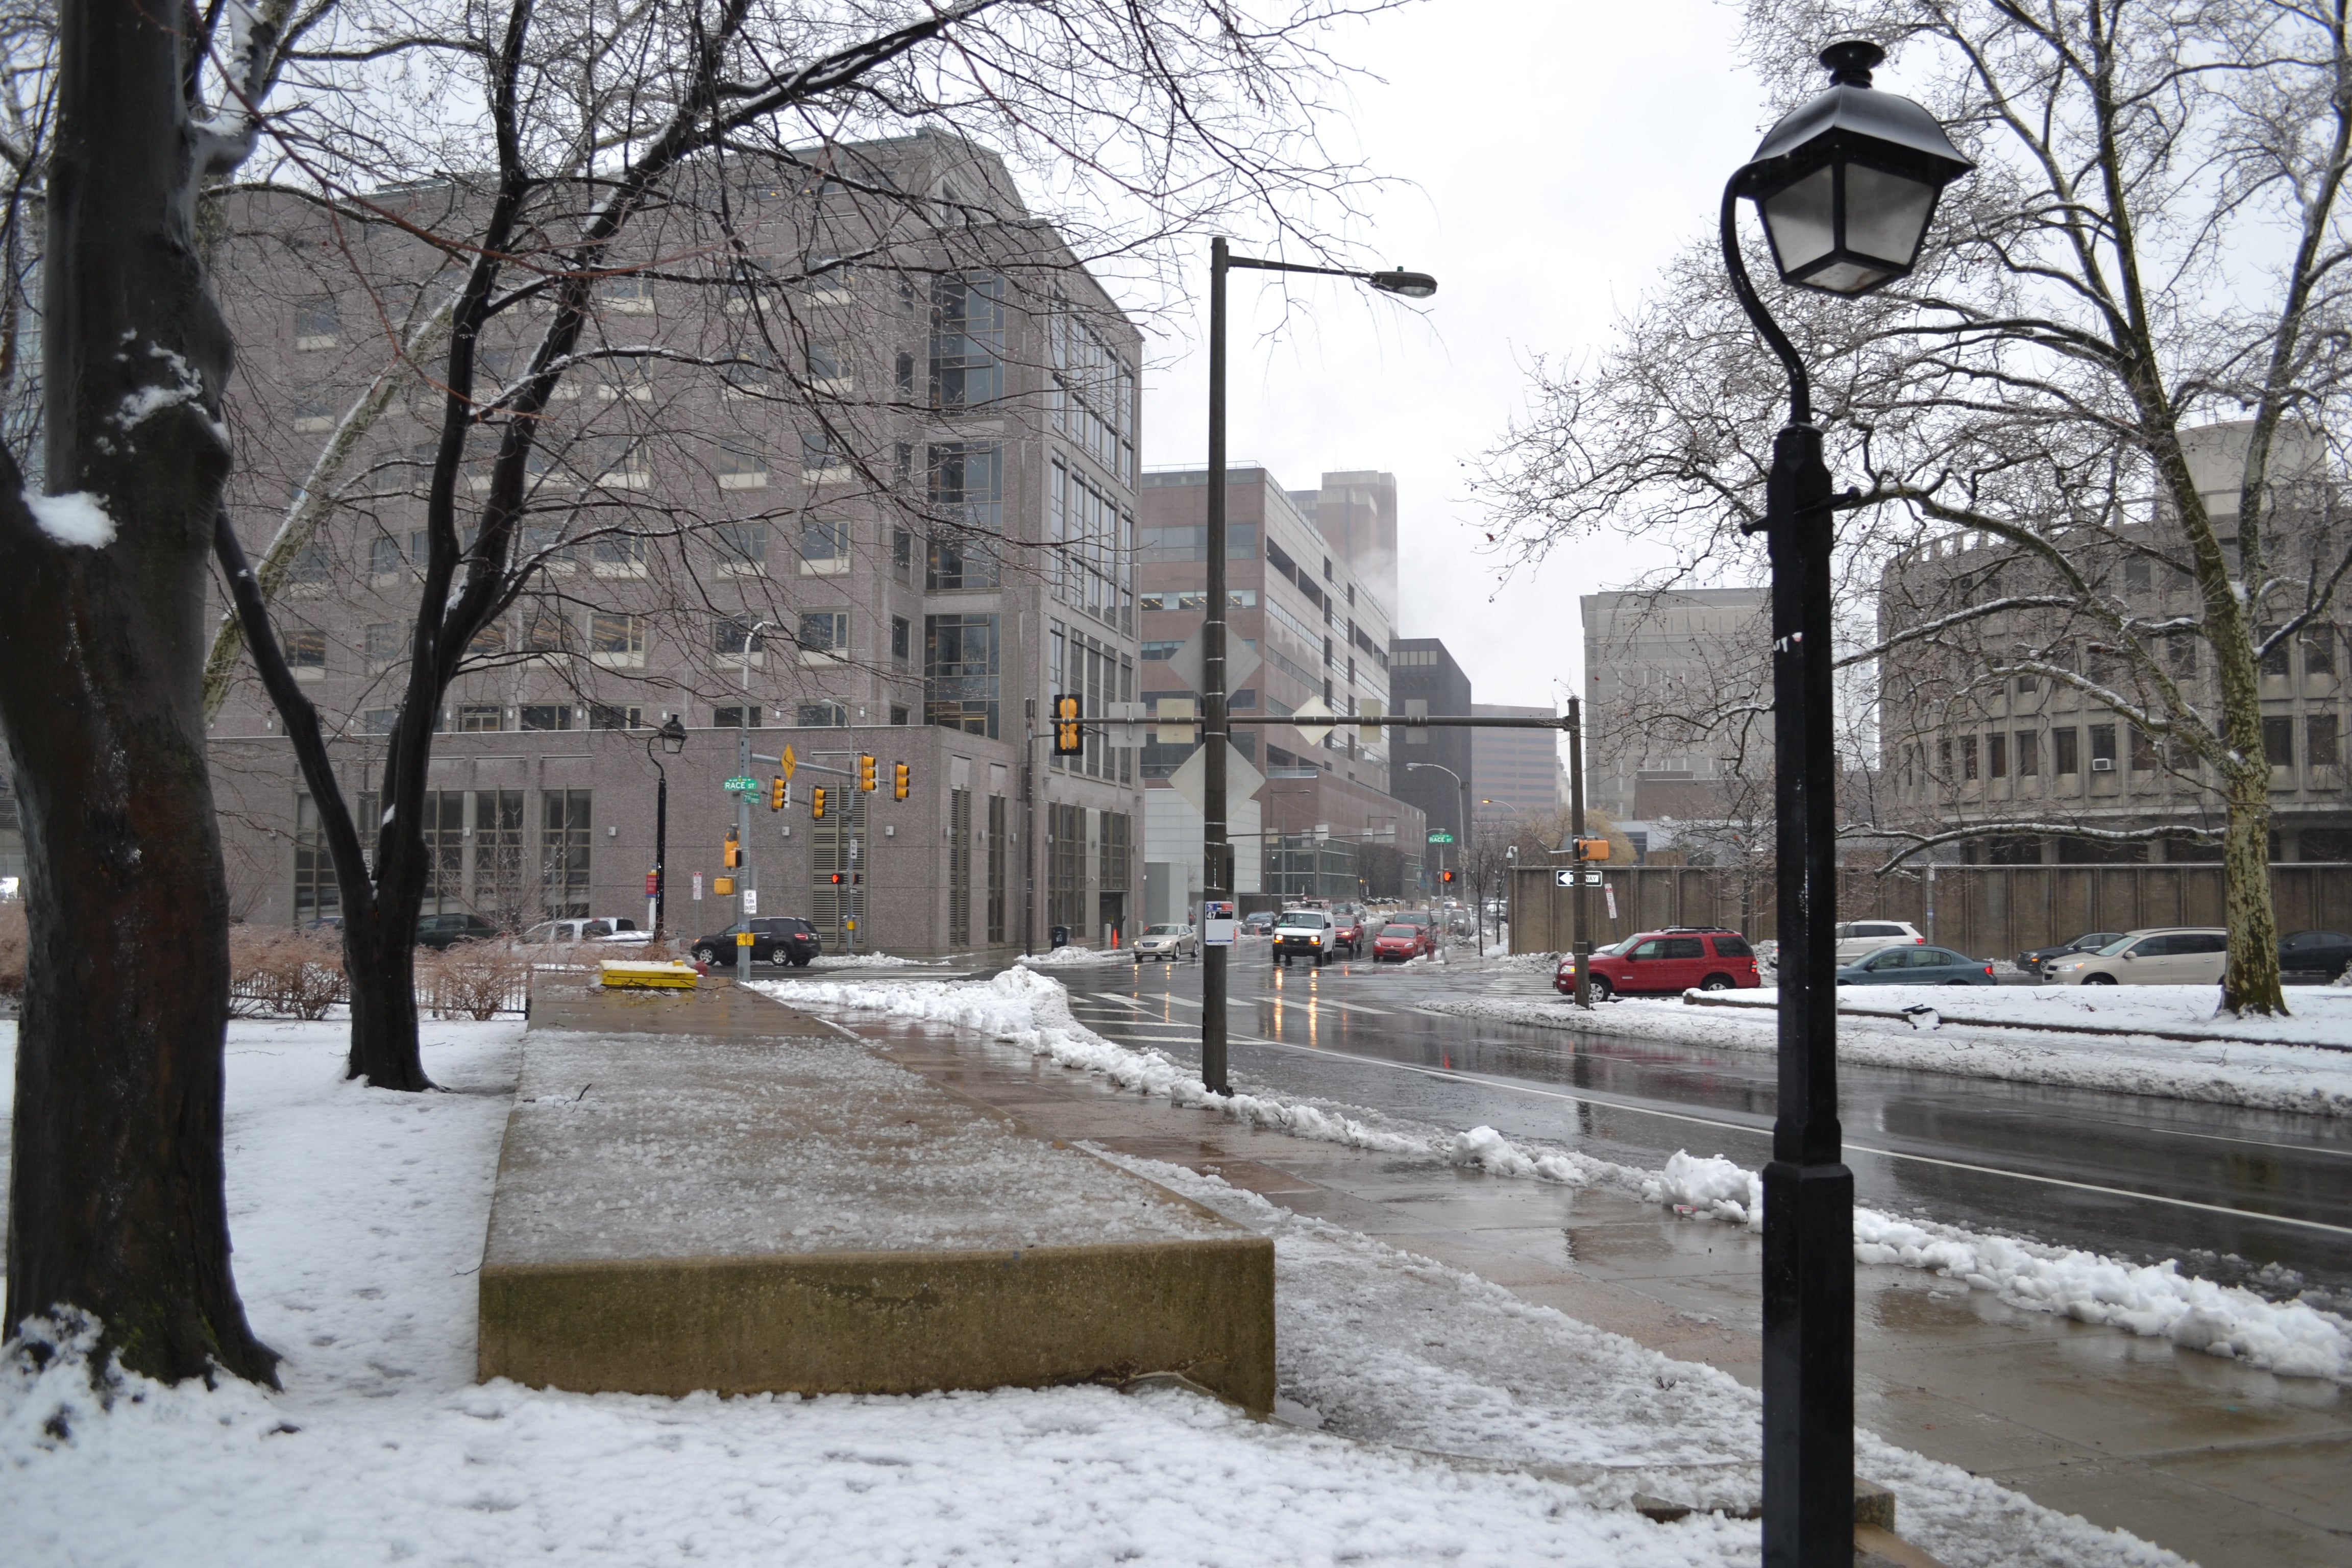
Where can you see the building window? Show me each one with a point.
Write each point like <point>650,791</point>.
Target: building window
<point>735,718</point>
<point>905,379</point>
<point>736,635</point>
<point>2103,747</point>
<point>564,847</point>
<point>742,463</point>
<point>386,640</point>
<point>1996,756</point>
<point>2138,575</point>
<point>967,340</point>
<point>822,457</point>
<point>626,296</point>
<point>306,649</point>
<point>619,554</point>
<point>824,547</point>
<point>899,713</point>
<point>2274,659</point>
<point>625,377</point>
<point>2028,758</point>
<point>960,673</point>
<point>546,629</point>
<point>2143,758</point>
<point>379,721</point>
<point>1066,850</point>
<point>2067,750</point>
<point>317,895</point>
<point>998,864</point>
<point>742,544</point>
<point>902,637</point>
<point>825,636</point>
<point>312,415</point>
<point>606,716</point>
<point>481,717</point>
<point>621,463</point>
<point>959,867</point>
<point>902,555</point>
<point>2321,746</point>
<point>2278,741</point>
<point>318,323</point>
<point>967,497</point>
<point>828,366</point>
<point>2319,651</point>
<point>546,716</point>
<point>826,715</point>
<point>616,639</point>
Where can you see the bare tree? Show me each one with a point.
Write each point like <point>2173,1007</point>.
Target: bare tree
<point>2155,239</point>
<point>116,1206</point>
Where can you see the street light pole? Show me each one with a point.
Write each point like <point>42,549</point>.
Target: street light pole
<point>1216,846</point>
<point>1846,184</point>
<point>1461,827</point>
<point>672,736</point>
<point>1580,946</point>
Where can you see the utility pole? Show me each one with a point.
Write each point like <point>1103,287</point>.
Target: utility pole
<point>745,883</point>
<point>1579,943</point>
<point>1217,853</point>
<point>1029,825</point>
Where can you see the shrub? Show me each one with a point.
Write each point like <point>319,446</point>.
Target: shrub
<point>274,971</point>
<point>471,980</point>
<point>14,940</point>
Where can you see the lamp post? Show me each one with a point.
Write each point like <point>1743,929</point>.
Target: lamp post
<point>1462,814</point>
<point>1846,185</point>
<point>1216,849</point>
<point>672,736</point>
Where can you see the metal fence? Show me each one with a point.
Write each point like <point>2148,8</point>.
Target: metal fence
<point>1988,911</point>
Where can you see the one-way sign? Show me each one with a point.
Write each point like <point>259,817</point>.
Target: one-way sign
<point>1566,877</point>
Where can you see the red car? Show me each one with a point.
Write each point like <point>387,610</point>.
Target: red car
<point>1709,958</point>
<point>1348,930</point>
<point>1403,941</point>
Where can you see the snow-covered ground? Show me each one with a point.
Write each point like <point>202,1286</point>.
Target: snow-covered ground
<point>2289,1069</point>
<point>359,1220</point>
<point>2290,1338</point>
<point>1069,957</point>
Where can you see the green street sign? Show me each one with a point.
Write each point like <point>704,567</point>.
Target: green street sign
<point>748,786</point>
<point>1439,836</point>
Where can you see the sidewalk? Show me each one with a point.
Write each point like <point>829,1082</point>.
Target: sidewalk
<point>2219,1462</point>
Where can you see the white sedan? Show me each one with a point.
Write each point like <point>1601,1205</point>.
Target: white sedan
<point>1167,942</point>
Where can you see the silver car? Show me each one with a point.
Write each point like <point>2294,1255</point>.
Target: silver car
<point>2165,956</point>
<point>1167,942</point>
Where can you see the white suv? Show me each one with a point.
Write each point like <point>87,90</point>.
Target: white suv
<point>2166,955</point>
<point>1857,940</point>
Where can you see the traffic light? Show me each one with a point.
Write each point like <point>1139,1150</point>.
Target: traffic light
<point>732,852</point>
<point>1593,849</point>
<point>780,794</point>
<point>1446,876</point>
<point>901,776</point>
<point>839,878</point>
<point>865,770</point>
<point>1069,727</point>
<point>816,802</point>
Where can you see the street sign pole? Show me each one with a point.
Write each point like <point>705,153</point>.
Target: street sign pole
<point>1578,942</point>
<point>1216,851</point>
<point>744,824</point>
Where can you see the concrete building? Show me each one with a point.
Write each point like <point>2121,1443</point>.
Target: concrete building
<point>1429,682</point>
<point>1519,772</point>
<point>1358,513</point>
<point>1323,822</point>
<point>1677,687</point>
<point>885,507</point>
<point>1965,741</point>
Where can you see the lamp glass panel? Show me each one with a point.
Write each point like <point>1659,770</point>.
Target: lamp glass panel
<point>1849,277</point>
<point>1885,214</point>
<point>1801,220</point>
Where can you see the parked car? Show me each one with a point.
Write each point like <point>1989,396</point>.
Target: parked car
<point>1917,966</point>
<point>1564,978</point>
<point>1401,941</point>
<point>1259,924</point>
<point>1348,930</point>
<point>620,930</point>
<point>1303,934</point>
<point>1167,942</point>
<point>2033,960</point>
<point>1710,958</point>
<point>2327,952</point>
<point>442,931</point>
<point>1859,939</point>
<point>1426,920</point>
<point>775,939</point>
<point>2165,956</point>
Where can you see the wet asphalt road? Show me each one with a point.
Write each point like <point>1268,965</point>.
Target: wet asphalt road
<point>2257,1197</point>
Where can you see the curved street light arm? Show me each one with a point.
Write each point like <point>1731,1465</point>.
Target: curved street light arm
<point>1800,385</point>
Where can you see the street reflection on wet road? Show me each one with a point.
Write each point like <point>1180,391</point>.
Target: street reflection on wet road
<point>2226,1191</point>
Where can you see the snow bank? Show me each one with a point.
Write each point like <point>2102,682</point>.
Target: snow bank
<point>871,961</point>
<point>2295,1074</point>
<point>1070,957</point>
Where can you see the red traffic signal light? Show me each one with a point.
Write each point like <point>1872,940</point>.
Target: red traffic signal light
<point>838,878</point>
<point>901,776</point>
<point>1069,726</point>
<point>1445,876</point>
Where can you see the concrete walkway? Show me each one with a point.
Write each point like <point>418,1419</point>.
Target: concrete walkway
<point>2220,1463</point>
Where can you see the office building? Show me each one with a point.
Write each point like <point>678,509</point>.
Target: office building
<point>1434,768</point>
<point>1519,772</point>
<point>1677,691</point>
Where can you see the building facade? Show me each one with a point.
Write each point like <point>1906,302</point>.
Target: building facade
<point>1676,691</point>
<point>1518,772</point>
<point>1970,739</point>
<point>863,483</point>
<point>1323,822</point>
<point>1436,773</point>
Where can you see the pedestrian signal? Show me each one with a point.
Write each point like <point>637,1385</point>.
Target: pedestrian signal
<point>816,802</point>
<point>780,794</point>
<point>1445,876</point>
<point>838,878</point>
<point>865,770</point>
<point>900,777</point>
<point>1593,849</point>
<point>1069,726</point>
<point>732,852</point>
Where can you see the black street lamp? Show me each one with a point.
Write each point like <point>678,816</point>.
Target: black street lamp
<point>1846,185</point>
<point>1217,851</point>
<point>672,736</point>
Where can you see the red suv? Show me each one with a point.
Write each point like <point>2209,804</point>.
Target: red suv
<point>1677,959</point>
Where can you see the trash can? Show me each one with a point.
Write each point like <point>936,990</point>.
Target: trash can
<point>1059,936</point>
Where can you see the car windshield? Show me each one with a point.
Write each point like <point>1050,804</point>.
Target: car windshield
<point>1162,931</point>
<point>2116,946</point>
<point>1309,921</point>
<point>1401,931</point>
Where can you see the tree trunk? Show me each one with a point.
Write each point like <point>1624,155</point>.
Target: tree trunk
<point>380,967</point>
<point>116,1203</point>
<point>2251,982</point>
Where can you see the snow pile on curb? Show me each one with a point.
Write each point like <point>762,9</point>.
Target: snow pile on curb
<point>2289,1076</point>
<point>1070,957</point>
<point>1032,1011</point>
<point>871,961</point>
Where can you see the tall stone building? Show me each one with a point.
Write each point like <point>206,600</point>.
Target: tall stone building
<point>1517,771</point>
<point>847,462</point>
<point>1428,681</point>
<point>1677,685</point>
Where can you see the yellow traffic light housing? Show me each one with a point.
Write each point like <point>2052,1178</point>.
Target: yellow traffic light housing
<point>780,794</point>
<point>865,770</point>
<point>816,802</point>
<point>1593,849</point>
<point>732,852</point>
<point>1069,725</point>
<point>901,777</point>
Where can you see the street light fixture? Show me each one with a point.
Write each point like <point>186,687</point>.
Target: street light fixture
<point>1216,850</point>
<point>1846,185</point>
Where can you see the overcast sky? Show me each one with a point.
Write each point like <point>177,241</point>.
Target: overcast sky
<point>1556,154</point>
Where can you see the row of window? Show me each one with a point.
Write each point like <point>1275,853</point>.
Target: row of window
<point>2000,754</point>
<point>1093,540</point>
<point>481,856</point>
<point>1099,674</point>
<point>1093,396</point>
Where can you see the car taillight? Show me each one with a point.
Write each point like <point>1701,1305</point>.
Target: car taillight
<point>1988,969</point>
